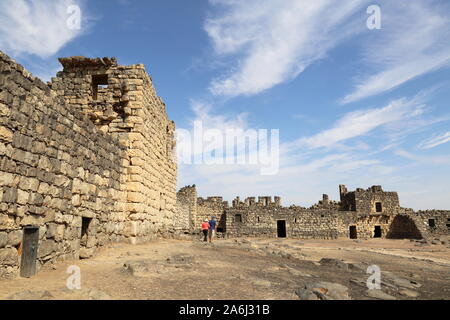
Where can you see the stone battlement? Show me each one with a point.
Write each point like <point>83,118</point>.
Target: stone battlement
<point>364,213</point>
<point>84,62</point>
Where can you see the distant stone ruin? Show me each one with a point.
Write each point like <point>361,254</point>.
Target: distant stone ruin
<point>371,213</point>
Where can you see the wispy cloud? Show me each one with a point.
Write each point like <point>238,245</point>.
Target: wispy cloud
<point>413,41</point>
<point>203,112</point>
<point>38,27</point>
<point>361,122</point>
<point>436,141</point>
<point>424,159</point>
<point>205,122</point>
<point>276,39</point>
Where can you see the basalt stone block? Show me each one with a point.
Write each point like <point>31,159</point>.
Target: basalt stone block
<point>22,141</point>
<point>3,239</point>
<point>9,257</point>
<point>6,134</point>
<point>10,195</point>
<point>47,247</point>
<point>15,238</point>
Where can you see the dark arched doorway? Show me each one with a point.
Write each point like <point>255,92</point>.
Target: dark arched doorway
<point>403,227</point>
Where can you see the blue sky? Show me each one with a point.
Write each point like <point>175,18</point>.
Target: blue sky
<point>354,106</point>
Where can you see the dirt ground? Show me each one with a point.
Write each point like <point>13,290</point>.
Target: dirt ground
<point>244,269</point>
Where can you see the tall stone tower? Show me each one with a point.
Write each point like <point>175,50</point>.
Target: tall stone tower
<point>122,102</point>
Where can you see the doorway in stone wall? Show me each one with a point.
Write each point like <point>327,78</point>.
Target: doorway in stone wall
<point>281,228</point>
<point>377,232</point>
<point>353,232</point>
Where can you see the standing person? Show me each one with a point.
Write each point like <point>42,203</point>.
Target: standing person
<point>212,228</point>
<point>205,228</point>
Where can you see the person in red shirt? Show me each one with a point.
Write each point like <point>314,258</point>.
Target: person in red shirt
<point>205,228</point>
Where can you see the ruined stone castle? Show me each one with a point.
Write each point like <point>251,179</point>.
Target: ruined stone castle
<point>87,159</point>
<point>371,213</point>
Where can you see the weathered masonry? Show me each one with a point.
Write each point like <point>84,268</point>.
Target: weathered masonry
<point>371,213</point>
<point>85,160</point>
<point>192,210</point>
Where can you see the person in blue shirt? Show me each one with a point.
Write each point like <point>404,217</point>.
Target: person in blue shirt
<point>212,228</point>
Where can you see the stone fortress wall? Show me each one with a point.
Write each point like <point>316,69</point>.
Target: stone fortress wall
<point>87,158</point>
<point>193,210</point>
<point>122,102</point>
<point>186,209</point>
<point>370,213</point>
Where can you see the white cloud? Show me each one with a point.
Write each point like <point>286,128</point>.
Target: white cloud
<point>203,112</point>
<point>436,141</point>
<point>273,41</point>
<point>278,38</point>
<point>413,41</point>
<point>424,159</point>
<point>358,123</point>
<point>198,140</point>
<point>38,27</point>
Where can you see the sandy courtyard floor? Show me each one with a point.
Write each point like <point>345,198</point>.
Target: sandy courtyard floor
<point>242,269</point>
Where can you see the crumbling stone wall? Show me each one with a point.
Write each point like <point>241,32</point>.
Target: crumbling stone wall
<point>431,223</point>
<point>260,218</point>
<point>122,101</point>
<point>55,169</point>
<point>364,223</point>
<point>186,209</point>
<point>211,207</point>
<point>366,200</point>
<point>88,164</point>
<point>326,204</point>
<point>193,210</point>
<point>262,221</point>
<point>360,214</point>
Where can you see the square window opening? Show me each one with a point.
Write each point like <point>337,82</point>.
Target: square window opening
<point>432,223</point>
<point>378,207</point>
<point>99,82</point>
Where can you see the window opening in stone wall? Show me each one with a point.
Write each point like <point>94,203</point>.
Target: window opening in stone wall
<point>379,207</point>
<point>432,223</point>
<point>238,218</point>
<point>258,219</point>
<point>85,222</point>
<point>99,82</point>
<point>448,224</point>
